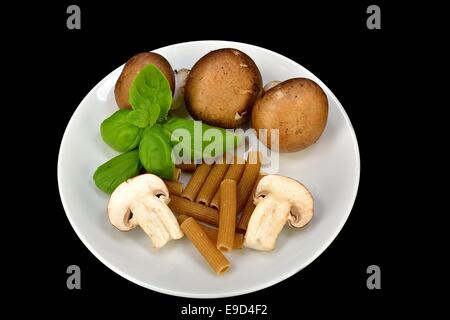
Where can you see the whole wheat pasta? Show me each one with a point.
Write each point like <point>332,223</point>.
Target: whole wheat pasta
<point>227,216</point>
<point>187,166</point>
<point>238,241</point>
<point>193,209</point>
<point>249,207</point>
<point>174,187</point>
<point>212,183</point>
<point>247,181</point>
<point>234,172</point>
<point>176,174</point>
<point>205,246</point>
<point>196,182</point>
<point>181,218</point>
<point>211,232</point>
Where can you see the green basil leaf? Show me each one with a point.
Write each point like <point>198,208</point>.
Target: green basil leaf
<point>200,149</point>
<point>119,133</point>
<point>150,91</point>
<point>155,152</point>
<point>117,170</point>
<point>154,112</point>
<point>139,118</point>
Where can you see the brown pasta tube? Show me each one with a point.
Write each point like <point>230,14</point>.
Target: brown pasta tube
<point>238,241</point>
<point>186,166</point>
<point>249,207</point>
<point>205,246</point>
<point>211,232</point>
<point>234,172</point>
<point>174,187</point>
<point>193,209</point>
<point>196,182</point>
<point>247,181</point>
<point>176,174</point>
<point>181,218</point>
<point>227,216</point>
<point>212,183</point>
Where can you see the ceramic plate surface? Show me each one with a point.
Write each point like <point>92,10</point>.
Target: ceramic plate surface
<point>330,169</point>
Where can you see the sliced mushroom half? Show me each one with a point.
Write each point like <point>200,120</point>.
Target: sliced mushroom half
<point>278,200</point>
<point>143,201</point>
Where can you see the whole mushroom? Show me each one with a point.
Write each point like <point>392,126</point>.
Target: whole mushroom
<point>132,68</point>
<point>278,200</point>
<point>297,107</point>
<point>143,201</point>
<point>222,87</point>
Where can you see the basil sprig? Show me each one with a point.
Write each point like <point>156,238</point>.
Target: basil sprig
<point>119,133</point>
<point>144,134</point>
<point>115,171</point>
<point>213,140</point>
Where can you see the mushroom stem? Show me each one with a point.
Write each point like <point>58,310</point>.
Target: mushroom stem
<point>157,221</point>
<point>180,81</point>
<point>266,223</point>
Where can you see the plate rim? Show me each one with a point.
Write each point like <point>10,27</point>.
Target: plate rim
<point>230,293</point>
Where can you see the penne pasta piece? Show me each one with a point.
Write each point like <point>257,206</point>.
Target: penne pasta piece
<point>212,183</point>
<point>205,246</point>
<point>249,207</point>
<point>176,174</point>
<point>193,209</point>
<point>234,172</point>
<point>245,186</point>
<point>227,216</point>
<point>254,157</point>
<point>196,182</point>
<point>238,240</point>
<point>181,218</point>
<point>186,166</point>
<point>174,187</point>
<point>211,232</point>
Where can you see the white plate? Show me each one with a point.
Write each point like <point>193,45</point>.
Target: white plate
<point>330,169</point>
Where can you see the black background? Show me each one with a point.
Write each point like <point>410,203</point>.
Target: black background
<point>332,41</point>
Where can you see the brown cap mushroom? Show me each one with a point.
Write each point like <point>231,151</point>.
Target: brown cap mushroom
<point>278,200</point>
<point>298,108</point>
<point>143,201</point>
<point>132,68</point>
<point>222,88</point>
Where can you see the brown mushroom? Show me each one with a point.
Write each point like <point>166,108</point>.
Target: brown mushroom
<point>222,88</point>
<point>298,108</point>
<point>132,68</point>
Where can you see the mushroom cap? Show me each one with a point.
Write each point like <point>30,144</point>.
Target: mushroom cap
<point>132,68</point>
<point>222,88</point>
<point>130,191</point>
<point>284,189</point>
<point>298,108</point>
